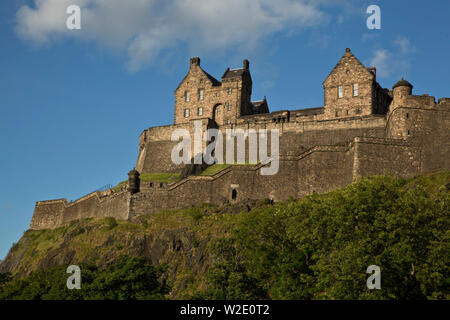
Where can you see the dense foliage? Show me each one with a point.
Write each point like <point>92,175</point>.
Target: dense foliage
<point>320,247</point>
<point>129,278</point>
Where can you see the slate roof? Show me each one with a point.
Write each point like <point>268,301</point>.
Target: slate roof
<point>233,73</point>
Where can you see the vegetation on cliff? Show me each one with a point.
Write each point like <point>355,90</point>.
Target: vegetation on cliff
<point>318,247</point>
<point>129,278</point>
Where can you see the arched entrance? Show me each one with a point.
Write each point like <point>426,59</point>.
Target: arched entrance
<point>217,115</point>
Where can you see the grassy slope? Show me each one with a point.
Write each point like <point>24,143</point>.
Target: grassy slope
<point>182,239</point>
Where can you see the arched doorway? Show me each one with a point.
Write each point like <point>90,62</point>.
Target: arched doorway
<point>217,115</point>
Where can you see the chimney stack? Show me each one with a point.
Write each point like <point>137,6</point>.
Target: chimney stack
<point>195,61</point>
<point>246,64</point>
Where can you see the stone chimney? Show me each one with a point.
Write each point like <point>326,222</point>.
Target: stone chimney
<point>373,70</point>
<point>195,61</point>
<point>246,64</point>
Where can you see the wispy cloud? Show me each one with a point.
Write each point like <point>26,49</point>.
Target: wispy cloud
<point>404,45</point>
<point>396,59</point>
<point>144,28</point>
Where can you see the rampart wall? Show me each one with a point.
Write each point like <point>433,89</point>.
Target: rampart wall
<point>315,156</point>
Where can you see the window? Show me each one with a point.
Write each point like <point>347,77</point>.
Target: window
<point>200,94</point>
<point>230,90</point>
<point>355,90</point>
<point>233,194</point>
<point>228,106</point>
<point>187,96</point>
<point>186,113</point>
<point>337,114</point>
<point>200,111</point>
<point>407,115</point>
<point>228,121</point>
<point>340,92</point>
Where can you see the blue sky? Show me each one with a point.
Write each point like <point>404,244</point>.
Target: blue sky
<point>73,103</point>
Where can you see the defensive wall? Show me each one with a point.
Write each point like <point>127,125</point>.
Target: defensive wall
<point>362,130</point>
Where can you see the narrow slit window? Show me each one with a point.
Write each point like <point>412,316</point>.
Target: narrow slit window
<point>187,96</point>
<point>340,92</point>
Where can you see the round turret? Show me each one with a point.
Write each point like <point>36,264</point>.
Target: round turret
<point>402,89</point>
<point>133,181</point>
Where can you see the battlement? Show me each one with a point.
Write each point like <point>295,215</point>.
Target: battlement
<point>362,129</point>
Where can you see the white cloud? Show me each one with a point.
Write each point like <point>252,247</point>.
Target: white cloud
<point>397,60</point>
<point>404,45</point>
<point>382,61</point>
<point>143,28</point>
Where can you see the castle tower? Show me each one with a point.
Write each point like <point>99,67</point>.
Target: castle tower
<point>201,96</point>
<point>237,86</point>
<point>351,90</point>
<point>196,94</point>
<point>133,181</point>
<point>401,89</point>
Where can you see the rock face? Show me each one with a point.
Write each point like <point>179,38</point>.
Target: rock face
<point>179,239</point>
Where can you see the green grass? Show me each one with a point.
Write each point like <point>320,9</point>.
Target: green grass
<point>216,168</point>
<point>119,186</point>
<point>160,177</point>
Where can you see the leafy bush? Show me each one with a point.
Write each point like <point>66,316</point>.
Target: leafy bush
<point>128,279</point>
<point>320,247</point>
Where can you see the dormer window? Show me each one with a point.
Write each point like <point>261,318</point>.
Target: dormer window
<point>187,96</point>
<point>201,93</point>
<point>340,92</point>
<point>355,90</point>
<point>186,113</point>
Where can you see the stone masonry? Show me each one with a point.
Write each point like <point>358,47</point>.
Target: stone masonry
<point>362,129</point>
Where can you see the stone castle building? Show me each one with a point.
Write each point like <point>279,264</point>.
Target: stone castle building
<point>362,129</point>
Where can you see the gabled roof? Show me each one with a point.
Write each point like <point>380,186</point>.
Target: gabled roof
<point>348,53</point>
<point>213,80</point>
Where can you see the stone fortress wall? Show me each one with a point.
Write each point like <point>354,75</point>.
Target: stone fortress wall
<point>356,133</point>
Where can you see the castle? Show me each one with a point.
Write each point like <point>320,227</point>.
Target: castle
<point>362,129</point>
